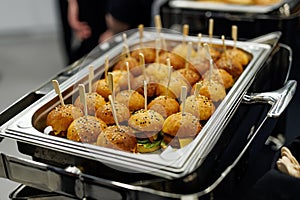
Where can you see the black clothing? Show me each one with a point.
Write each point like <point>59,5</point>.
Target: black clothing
<point>276,185</point>
<point>131,12</point>
<point>65,28</point>
<point>93,12</point>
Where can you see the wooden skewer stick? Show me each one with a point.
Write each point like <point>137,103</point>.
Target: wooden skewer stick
<point>169,75</point>
<point>126,51</point>
<point>199,46</point>
<point>185,32</point>
<point>106,66</point>
<point>91,77</point>
<point>125,38</point>
<point>114,112</point>
<point>157,49</point>
<point>183,99</point>
<point>58,92</point>
<point>197,93</point>
<point>142,63</point>
<point>111,84</point>
<point>197,89</point>
<point>145,94</point>
<point>188,54</point>
<point>224,47</point>
<point>211,61</point>
<point>141,31</point>
<point>211,30</point>
<point>157,21</point>
<point>128,76</point>
<point>234,33</point>
<point>228,61</point>
<point>82,96</point>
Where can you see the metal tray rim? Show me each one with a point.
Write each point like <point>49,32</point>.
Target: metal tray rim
<point>18,126</point>
<point>226,7</point>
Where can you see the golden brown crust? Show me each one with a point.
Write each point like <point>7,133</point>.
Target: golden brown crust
<point>232,66</point>
<point>165,106</point>
<point>121,79</point>
<point>120,138</point>
<point>93,102</point>
<point>146,120</point>
<point>132,99</point>
<point>189,75</point>
<point>212,89</point>
<point>200,64</point>
<point>177,62</point>
<point>221,76</point>
<point>138,85</point>
<point>132,63</point>
<point>101,87</point>
<point>61,117</point>
<point>180,125</point>
<point>149,54</point>
<point>182,50</point>
<point>85,129</point>
<point>105,113</point>
<point>174,90</point>
<point>200,106</point>
<point>157,72</point>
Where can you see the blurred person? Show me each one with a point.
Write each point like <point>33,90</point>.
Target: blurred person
<point>93,21</point>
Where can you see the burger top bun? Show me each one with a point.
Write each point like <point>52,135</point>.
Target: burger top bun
<point>62,116</point>
<point>146,120</point>
<point>120,138</point>
<point>179,125</point>
<point>86,129</point>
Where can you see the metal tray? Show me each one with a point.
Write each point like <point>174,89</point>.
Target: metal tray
<point>227,7</point>
<point>171,163</point>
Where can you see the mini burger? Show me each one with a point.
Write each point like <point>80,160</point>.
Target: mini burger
<point>147,125</point>
<point>180,129</point>
<point>164,105</point>
<point>93,102</point>
<point>61,117</point>
<point>105,113</point>
<point>86,129</point>
<point>118,137</point>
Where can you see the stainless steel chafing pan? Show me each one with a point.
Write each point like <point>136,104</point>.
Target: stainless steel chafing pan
<point>27,126</point>
<point>72,182</point>
<point>229,7</point>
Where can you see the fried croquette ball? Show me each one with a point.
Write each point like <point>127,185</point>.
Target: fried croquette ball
<point>189,75</point>
<point>165,106</point>
<point>132,99</point>
<point>177,62</point>
<point>101,87</point>
<point>200,106</point>
<point>231,66</point>
<point>212,89</point>
<point>105,113</point>
<point>93,102</point>
<point>133,64</point>
<point>221,76</point>
<point>149,54</point>
<point>174,89</point>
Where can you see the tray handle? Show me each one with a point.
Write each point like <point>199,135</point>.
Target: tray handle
<point>278,99</point>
